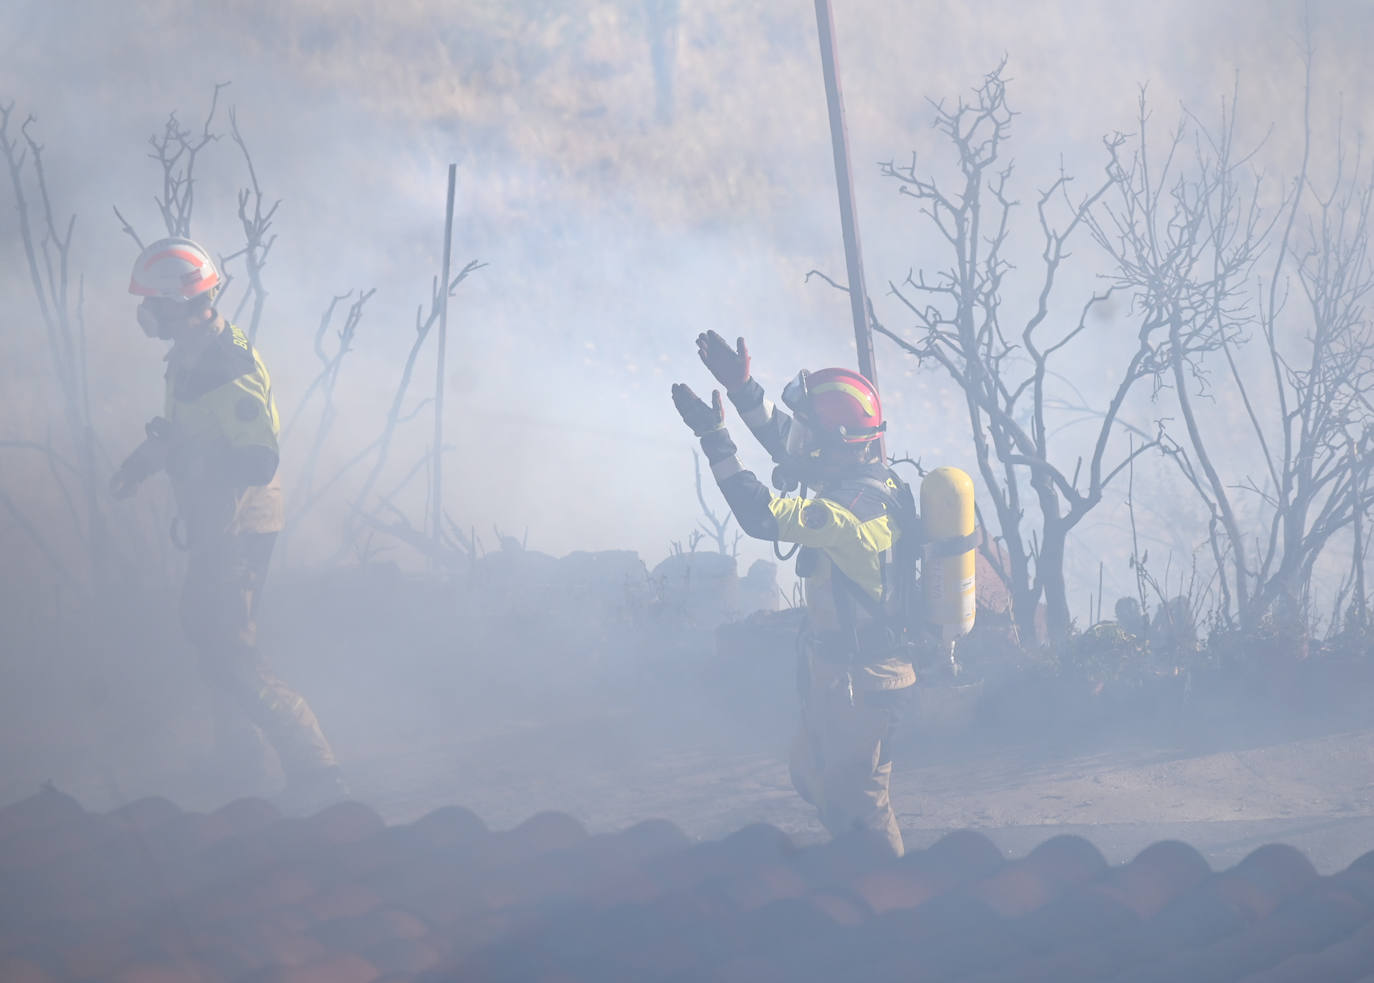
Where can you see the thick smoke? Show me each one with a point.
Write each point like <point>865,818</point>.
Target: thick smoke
<point>600,269</point>
<point>609,237</point>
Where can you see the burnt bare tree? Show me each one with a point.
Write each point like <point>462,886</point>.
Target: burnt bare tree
<point>1196,248</point>
<point>1350,607</point>
<point>324,384</point>
<point>257,236</point>
<point>60,293</point>
<point>1184,233</point>
<point>712,524</point>
<point>364,507</point>
<point>1319,466</point>
<point>177,151</point>
<point>1005,362</point>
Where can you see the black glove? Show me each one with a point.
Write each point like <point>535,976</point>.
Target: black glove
<point>707,422</point>
<point>123,483</point>
<point>730,366</point>
<point>148,458</point>
<point>695,412</point>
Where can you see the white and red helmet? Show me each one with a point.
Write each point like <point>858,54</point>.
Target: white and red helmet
<point>177,269</point>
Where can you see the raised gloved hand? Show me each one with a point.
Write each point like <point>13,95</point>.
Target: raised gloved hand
<point>706,421</point>
<point>729,365</point>
<point>695,412</point>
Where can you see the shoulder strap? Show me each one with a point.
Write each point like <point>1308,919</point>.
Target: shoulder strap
<point>898,563</point>
<point>906,552</point>
<point>849,596</point>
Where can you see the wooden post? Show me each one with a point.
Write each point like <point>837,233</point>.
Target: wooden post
<point>437,468</point>
<point>849,225</point>
<point>1357,495</point>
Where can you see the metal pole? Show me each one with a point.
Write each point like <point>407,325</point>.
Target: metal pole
<point>839,140</point>
<point>437,468</point>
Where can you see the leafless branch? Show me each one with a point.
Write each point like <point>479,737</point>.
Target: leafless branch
<point>256,224</point>
<point>714,526</point>
<point>47,249</point>
<point>176,150</point>
<point>423,323</point>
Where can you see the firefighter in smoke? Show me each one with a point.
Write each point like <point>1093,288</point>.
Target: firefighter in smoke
<point>217,441</point>
<point>852,670</point>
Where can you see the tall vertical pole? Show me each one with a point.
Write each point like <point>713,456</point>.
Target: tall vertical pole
<point>849,226</point>
<point>1357,486</point>
<point>437,468</point>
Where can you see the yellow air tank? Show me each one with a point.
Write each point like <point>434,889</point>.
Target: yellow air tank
<point>947,568</point>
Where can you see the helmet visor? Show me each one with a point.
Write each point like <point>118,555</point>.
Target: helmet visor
<point>794,394</point>
<point>801,442</point>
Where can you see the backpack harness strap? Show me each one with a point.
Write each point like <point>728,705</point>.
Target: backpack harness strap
<point>897,566</point>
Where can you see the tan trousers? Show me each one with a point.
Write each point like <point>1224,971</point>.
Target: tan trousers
<point>839,760</point>
<point>223,578</point>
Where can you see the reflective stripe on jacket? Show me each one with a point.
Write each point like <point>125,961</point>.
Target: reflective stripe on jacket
<point>849,525</point>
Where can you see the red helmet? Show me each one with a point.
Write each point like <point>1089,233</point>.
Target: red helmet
<point>177,269</point>
<point>836,403</point>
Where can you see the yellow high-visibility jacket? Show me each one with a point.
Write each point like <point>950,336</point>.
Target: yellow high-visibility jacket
<point>225,426</point>
<point>849,525</point>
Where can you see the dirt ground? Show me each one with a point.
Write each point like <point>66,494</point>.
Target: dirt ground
<point>1225,794</point>
<point>1226,787</point>
<point>1225,779</point>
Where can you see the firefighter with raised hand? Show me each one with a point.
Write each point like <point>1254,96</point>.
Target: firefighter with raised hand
<point>217,441</point>
<point>853,668</point>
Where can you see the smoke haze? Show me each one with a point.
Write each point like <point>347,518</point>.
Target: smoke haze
<point>609,237</point>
